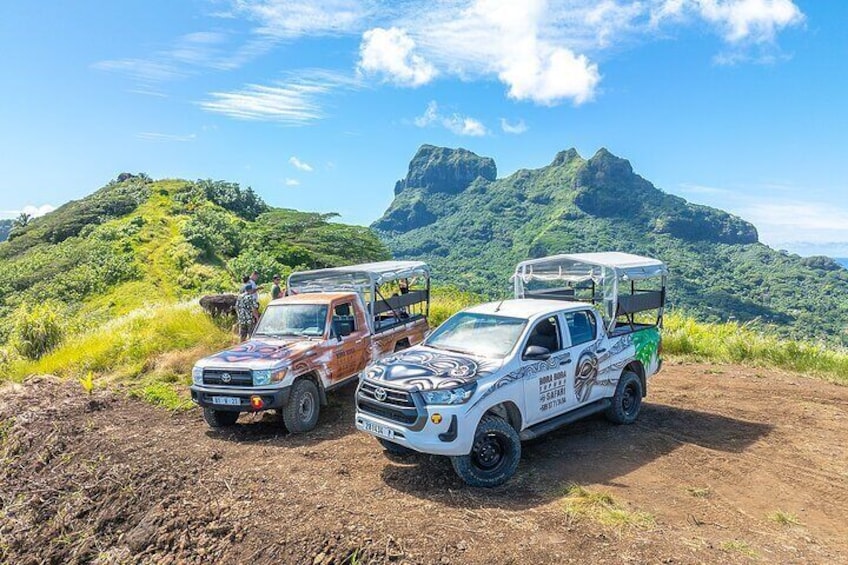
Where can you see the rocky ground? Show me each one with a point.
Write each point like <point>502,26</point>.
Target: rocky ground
<point>726,464</point>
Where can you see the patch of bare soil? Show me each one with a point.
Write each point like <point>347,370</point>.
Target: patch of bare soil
<point>734,464</point>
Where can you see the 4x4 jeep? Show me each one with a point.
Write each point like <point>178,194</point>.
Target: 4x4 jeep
<point>332,323</point>
<point>498,373</point>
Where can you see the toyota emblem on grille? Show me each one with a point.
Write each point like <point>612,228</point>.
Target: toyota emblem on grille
<point>225,377</point>
<point>380,393</point>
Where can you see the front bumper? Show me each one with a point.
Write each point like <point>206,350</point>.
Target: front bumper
<point>405,419</point>
<point>272,398</point>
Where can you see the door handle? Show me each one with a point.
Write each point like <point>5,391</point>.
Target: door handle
<point>603,350</point>
<point>566,362</point>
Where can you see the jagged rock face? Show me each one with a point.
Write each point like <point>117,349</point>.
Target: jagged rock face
<point>439,169</point>
<point>405,215</point>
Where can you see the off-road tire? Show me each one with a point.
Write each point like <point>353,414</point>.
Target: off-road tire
<point>219,418</point>
<point>300,414</point>
<point>494,455</point>
<point>627,400</point>
<point>395,449</point>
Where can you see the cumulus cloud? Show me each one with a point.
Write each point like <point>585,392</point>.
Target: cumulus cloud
<point>292,182</point>
<point>455,123</point>
<point>756,21</point>
<point>300,165</point>
<point>518,127</point>
<point>30,209</point>
<point>390,53</point>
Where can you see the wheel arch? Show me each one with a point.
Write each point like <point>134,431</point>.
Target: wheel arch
<point>508,411</point>
<point>636,366</point>
<point>313,376</point>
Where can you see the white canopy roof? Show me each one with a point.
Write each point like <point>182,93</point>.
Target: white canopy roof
<point>353,276</point>
<point>580,267</point>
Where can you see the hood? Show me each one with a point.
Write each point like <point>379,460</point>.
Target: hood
<point>259,354</point>
<point>423,368</point>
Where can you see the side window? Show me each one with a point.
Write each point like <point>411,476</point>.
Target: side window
<point>581,326</point>
<point>344,322</point>
<point>546,334</point>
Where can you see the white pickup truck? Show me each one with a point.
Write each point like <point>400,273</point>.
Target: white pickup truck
<point>581,336</point>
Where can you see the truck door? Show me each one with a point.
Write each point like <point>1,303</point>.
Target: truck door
<point>583,331</point>
<point>351,342</point>
<point>546,382</point>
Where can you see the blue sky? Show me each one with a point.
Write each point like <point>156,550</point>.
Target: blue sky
<point>739,104</point>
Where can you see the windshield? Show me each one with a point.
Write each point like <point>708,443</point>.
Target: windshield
<point>478,334</point>
<point>293,320</point>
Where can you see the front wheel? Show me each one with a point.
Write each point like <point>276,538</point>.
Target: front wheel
<point>219,418</point>
<point>494,456</point>
<point>627,399</point>
<point>301,412</point>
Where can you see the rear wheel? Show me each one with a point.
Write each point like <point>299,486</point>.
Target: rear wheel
<point>301,412</point>
<point>627,400</point>
<point>494,456</point>
<point>219,418</point>
<point>396,449</point>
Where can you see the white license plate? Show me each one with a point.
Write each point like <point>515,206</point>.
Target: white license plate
<point>378,430</point>
<point>226,400</point>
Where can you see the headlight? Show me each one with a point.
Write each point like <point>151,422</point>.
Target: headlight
<point>458,395</point>
<point>266,377</point>
<point>197,375</point>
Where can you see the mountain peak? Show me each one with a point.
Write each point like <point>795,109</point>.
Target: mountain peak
<point>565,157</point>
<point>442,169</point>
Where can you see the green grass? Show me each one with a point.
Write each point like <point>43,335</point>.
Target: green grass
<point>600,507</point>
<point>163,394</point>
<point>784,518</point>
<point>732,342</point>
<point>699,492</point>
<point>447,301</point>
<point>130,345</point>
<point>739,546</point>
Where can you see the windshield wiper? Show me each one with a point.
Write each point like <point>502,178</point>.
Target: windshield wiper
<point>452,350</point>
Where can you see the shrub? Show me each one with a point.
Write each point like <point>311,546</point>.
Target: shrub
<point>36,329</point>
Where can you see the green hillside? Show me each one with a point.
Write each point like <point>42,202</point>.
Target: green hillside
<point>137,243</point>
<point>452,211</point>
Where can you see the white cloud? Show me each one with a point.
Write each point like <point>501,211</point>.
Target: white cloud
<point>295,102</point>
<point>293,18</point>
<point>145,71</point>
<point>30,209</point>
<point>300,165</point>
<point>757,21</point>
<point>518,127</point>
<point>155,136</point>
<point>455,123</point>
<point>292,182</point>
<point>389,53</point>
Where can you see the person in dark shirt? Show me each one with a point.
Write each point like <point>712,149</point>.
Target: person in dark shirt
<point>276,291</point>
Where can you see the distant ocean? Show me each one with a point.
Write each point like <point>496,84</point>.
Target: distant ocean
<point>843,261</point>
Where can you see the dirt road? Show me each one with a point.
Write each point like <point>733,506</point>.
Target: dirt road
<point>728,464</point>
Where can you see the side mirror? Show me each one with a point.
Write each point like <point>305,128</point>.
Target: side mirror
<point>537,353</point>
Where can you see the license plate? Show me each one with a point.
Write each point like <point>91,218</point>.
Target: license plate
<point>377,429</point>
<point>226,400</point>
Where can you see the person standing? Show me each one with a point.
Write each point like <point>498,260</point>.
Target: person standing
<point>247,311</point>
<point>276,290</point>
<point>254,277</point>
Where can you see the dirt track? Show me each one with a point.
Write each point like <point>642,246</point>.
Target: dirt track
<point>716,451</point>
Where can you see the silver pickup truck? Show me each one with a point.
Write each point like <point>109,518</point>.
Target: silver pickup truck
<point>581,342</point>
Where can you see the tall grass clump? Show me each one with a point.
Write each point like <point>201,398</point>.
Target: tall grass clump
<point>732,342</point>
<point>129,345</point>
<point>446,301</point>
<point>36,329</point>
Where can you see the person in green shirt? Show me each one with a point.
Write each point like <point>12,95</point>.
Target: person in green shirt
<point>276,291</point>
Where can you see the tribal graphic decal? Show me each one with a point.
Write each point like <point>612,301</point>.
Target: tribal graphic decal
<point>522,372</point>
<point>586,375</point>
<point>254,350</point>
<point>426,370</point>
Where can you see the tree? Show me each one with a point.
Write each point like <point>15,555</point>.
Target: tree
<point>23,220</point>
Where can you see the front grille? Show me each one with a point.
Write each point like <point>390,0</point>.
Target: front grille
<point>397,406</point>
<point>237,378</point>
<point>394,396</point>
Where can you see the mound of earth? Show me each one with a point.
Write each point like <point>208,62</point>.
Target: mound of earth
<point>729,464</point>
